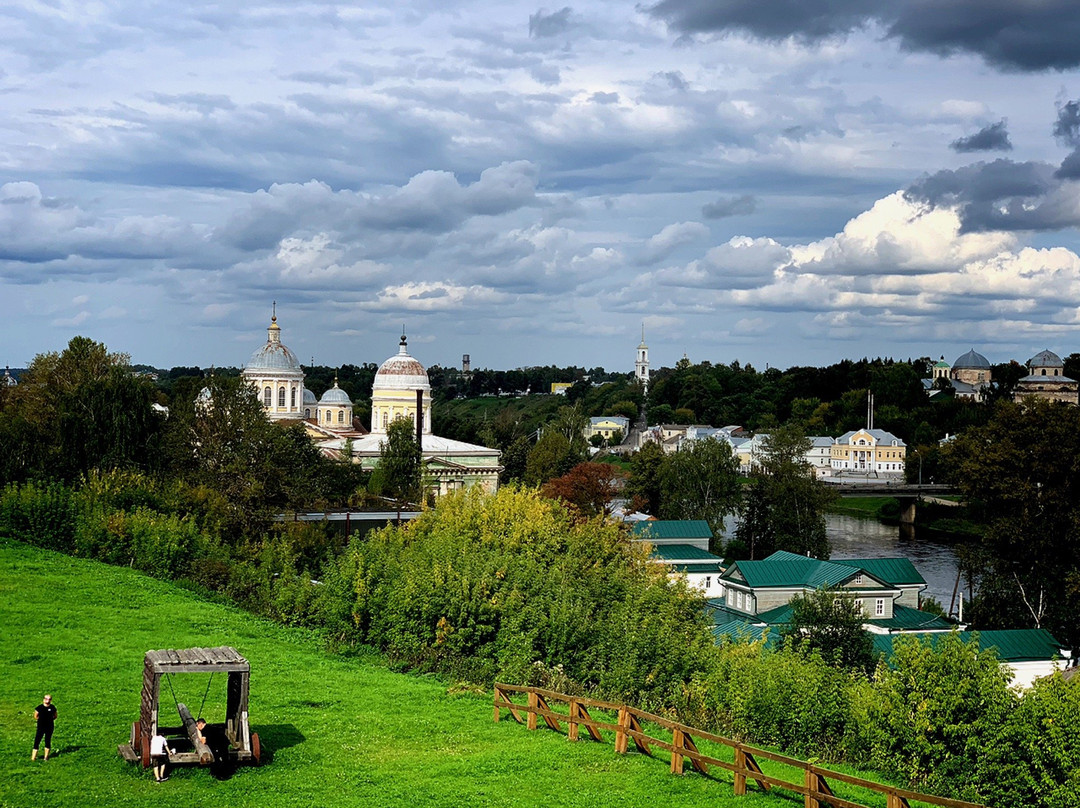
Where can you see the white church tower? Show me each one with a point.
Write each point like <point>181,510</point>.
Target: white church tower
<point>641,364</point>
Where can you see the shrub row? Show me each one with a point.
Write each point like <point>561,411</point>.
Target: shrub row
<point>512,587</point>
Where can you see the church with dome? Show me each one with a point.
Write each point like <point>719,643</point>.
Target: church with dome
<point>401,390</point>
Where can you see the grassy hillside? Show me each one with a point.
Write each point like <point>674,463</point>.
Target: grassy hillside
<point>339,731</point>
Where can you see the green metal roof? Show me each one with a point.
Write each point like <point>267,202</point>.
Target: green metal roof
<point>895,571</point>
<point>718,611</point>
<point>795,572</point>
<point>779,616</point>
<point>716,568</point>
<point>1012,645</point>
<point>743,630</point>
<point>683,552</point>
<point>672,529</point>
<point>907,619</point>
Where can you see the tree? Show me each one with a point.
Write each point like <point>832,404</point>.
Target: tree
<point>1020,473</point>
<point>701,481</point>
<point>643,486</point>
<point>400,468</point>
<point>589,487</point>
<point>76,410</point>
<point>784,507</point>
<point>251,467</point>
<point>831,622</point>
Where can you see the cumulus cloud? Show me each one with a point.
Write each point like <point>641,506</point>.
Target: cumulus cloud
<point>671,238</point>
<point>993,137</point>
<point>1004,33</point>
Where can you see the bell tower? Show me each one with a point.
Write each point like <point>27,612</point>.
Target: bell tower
<point>641,362</point>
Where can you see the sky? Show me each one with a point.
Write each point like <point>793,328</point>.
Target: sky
<point>780,182</point>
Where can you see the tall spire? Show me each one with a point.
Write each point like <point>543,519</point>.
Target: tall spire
<point>273,333</point>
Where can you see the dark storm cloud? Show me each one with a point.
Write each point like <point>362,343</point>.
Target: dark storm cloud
<point>1067,125</point>
<point>994,137</point>
<point>730,206</point>
<point>545,25</point>
<point>1002,195</point>
<point>1011,35</point>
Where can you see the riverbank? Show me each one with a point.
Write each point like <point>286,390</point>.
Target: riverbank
<point>947,521</point>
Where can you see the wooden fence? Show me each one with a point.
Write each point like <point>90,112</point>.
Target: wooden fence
<point>815,786</point>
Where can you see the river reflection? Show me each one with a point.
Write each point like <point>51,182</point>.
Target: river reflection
<point>854,537</point>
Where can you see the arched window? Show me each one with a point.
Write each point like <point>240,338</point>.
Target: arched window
<point>307,412</point>
<point>266,397</point>
<point>329,417</point>
<point>385,421</point>
<point>293,405</point>
<point>281,397</point>
<point>341,416</point>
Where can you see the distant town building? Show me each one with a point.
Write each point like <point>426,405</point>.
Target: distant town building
<point>1046,379</point>
<point>607,425</point>
<point>8,380</point>
<point>868,451</point>
<point>971,376</point>
<point>275,373</point>
<point>641,363</point>
<point>449,465</point>
<point>335,409</point>
<point>560,388</point>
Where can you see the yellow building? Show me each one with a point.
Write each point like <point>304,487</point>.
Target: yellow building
<point>275,373</point>
<point>872,452</point>
<point>448,464</point>
<point>393,395</point>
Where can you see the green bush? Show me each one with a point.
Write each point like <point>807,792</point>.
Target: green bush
<point>782,697</point>
<point>39,513</point>
<point>509,585</point>
<point>930,717</point>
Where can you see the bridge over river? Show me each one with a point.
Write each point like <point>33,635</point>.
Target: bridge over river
<point>907,494</point>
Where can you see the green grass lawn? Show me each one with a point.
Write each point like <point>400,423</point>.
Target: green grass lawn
<point>338,731</point>
<point>859,506</point>
<point>334,730</point>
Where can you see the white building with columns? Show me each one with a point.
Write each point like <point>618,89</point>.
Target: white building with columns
<point>275,373</point>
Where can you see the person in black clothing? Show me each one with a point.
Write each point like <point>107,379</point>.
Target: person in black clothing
<point>45,713</point>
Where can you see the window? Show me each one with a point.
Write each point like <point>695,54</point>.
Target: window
<point>708,581</point>
<point>385,421</point>
<point>307,412</point>
<point>293,405</point>
<point>329,416</point>
<point>879,607</point>
<point>281,397</point>
<point>341,416</point>
<point>267,397</point>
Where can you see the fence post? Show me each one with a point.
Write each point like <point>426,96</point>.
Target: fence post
<point>572,733</point>
<point>533,707</point>
<point>497,694</point>
<point>676,751</point>
<point>740,771</point>
<point>810,800</point>
<point>620,733</point>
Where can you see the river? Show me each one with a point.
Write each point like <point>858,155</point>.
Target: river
<point>855,537</point>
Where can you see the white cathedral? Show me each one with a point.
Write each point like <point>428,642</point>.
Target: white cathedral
<point>276,374</point>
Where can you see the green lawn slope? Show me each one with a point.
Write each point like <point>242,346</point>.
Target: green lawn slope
<point>336,731</point>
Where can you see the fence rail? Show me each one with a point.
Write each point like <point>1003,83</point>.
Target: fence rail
<point>628,728</point>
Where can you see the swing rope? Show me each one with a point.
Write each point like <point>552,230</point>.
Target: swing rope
<point>168,678</point>
<point>176,701</point>
<point>204,695</point>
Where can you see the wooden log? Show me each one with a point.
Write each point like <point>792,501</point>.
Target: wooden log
<point>572,732</point>
<point>206,757</point>
<point>810,798</point>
